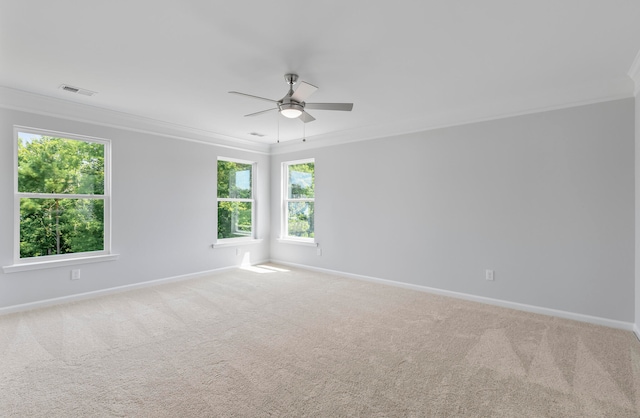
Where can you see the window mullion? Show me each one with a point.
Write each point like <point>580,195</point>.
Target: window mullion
<point>24,195</point>
<point>229,199</point>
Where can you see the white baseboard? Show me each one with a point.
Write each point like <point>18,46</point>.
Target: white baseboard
<point>496,302</point>
<point>109,291</point>
<point>612,323</point>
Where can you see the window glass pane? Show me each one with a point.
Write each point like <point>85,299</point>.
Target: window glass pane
<point>301,181</point>
<point>58,165</point>
<point>234,219</point>
<point>300,219</point>
<point>234,180</point>
<point>60,226</point>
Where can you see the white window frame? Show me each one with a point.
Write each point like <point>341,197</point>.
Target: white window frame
<point>284,210</point>
<point>57,260</point>
<point>222,242</point>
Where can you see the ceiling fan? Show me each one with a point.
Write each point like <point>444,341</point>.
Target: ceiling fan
<point>293,105</point>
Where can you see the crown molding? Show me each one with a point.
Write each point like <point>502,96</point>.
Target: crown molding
<point>24,101</point>
<point>573,96</point>
<point>634,73</point>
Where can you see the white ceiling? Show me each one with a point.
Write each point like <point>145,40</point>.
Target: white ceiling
<point>406,65</point>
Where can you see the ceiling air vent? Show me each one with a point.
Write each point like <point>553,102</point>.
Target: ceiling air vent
<point>257,134</point>
<point>78,90</point>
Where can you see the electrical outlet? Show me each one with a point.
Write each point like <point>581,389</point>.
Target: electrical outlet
<point>488,274</point>
<point>319,251</point>
<point>75,274</point>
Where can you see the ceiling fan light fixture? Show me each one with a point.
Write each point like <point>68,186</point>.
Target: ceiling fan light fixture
<point>291,110</point>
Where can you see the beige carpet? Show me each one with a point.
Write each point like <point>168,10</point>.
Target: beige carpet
<point>294,343</point>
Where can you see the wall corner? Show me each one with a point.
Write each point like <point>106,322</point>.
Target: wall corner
<point>634,73</point>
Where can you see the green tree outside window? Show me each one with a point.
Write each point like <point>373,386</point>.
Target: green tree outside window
<point>61,192</point>
<point>300,200</point>
<point>235,199</point>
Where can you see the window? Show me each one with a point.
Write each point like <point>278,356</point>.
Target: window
<point>61,196</point>
<point>298,200</point>
<point>236,206</point>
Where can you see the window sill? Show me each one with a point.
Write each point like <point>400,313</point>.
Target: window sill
<point>297,242</point>
<point>14,268</point>
<point>236,243</point>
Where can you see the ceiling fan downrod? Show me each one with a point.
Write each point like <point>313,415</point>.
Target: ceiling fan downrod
<point>291,79</point>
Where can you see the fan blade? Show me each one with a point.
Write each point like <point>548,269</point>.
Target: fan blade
<point>260,112</point>
<point>255,97</point>
<point>329,106</point>
<point>306,118</point>
<point>303,91</point>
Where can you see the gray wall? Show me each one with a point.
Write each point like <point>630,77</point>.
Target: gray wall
<point>163,207</point>
<point>637,218</point>
<point>546,200</point>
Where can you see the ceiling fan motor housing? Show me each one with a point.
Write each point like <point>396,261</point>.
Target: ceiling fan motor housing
<point>290,108</point>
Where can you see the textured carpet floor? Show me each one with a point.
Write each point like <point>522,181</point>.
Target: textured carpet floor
<point>296,343</point>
